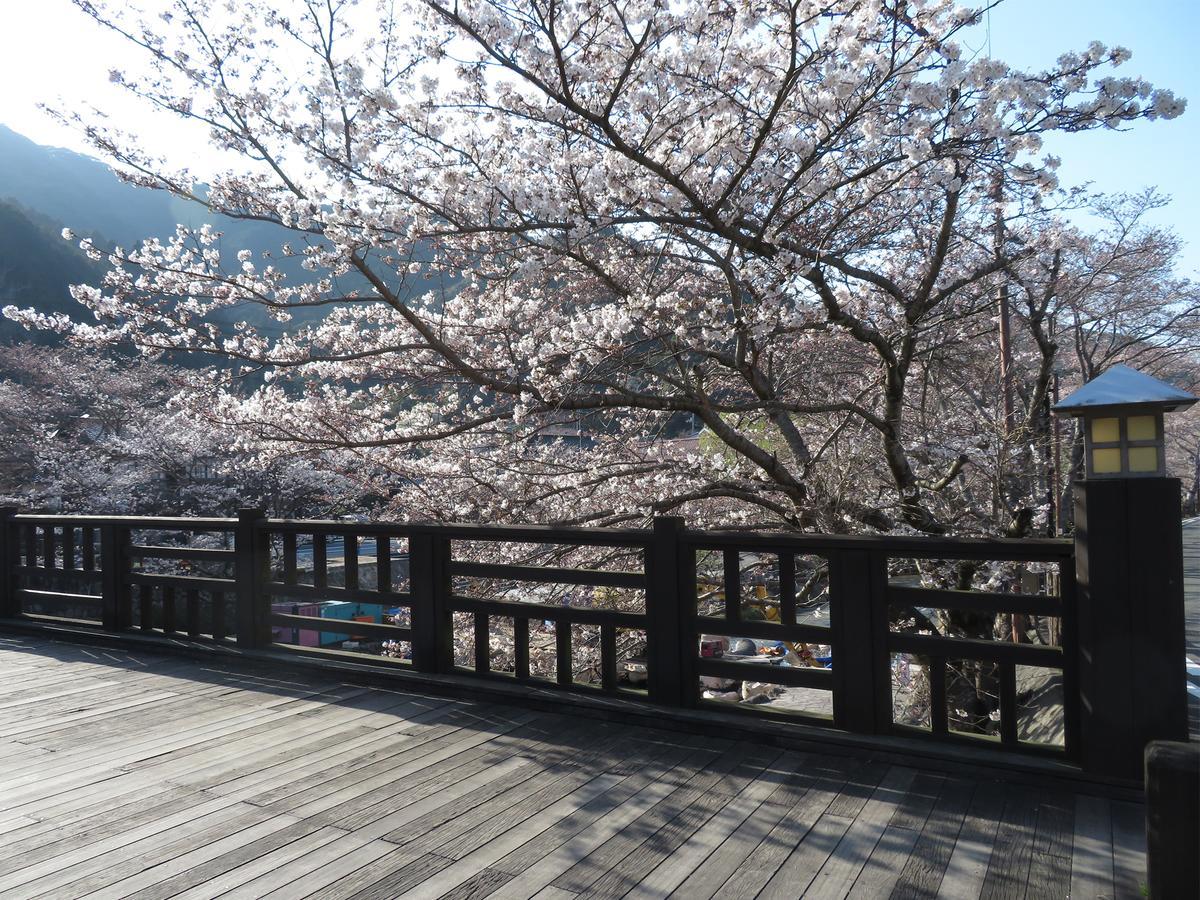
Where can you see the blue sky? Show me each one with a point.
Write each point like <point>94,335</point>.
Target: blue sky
<point>1164,36</point>
<point>59,53</point>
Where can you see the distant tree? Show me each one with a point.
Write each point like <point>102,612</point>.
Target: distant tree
<point>1109,296</point>
<point>93,434</point>
<point>1183,457</point>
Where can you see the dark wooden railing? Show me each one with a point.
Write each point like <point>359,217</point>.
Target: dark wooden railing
<point>257,582</point>
<point>864,607</point>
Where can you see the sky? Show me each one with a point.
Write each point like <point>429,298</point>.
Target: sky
<point>56,55</point>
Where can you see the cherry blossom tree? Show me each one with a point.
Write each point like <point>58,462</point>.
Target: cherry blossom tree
<point>773,221</point>
<point>1185,449</point>
<point>1106,296</point>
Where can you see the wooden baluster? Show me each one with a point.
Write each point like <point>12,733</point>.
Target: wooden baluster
<point>562,649</point>
<point>350,560</point>
<point>87,537</point>
<point>383,563</point>
<point>48,550</point>
<point>732,565</point>
<point>146,607</point>
<point>938,714</point>
<point>483,650</point>
<point>787,588</point>
<point>1008,704</point>
<point>320,562</point>
<point>608,657</point>
<point>168,609</point>
<point>193,613</point>
<point>68,548</point>
<point>289,557</point>
<point>216,602</point>
<point>521,647</point>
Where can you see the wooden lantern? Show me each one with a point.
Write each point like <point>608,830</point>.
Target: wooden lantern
<point>1122,412</point>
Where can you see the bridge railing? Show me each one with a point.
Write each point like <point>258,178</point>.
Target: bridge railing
<point>857,634</point>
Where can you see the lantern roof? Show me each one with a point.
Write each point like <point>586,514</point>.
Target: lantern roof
<point>1123,386</point>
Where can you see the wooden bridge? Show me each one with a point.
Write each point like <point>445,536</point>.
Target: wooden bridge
<point>131,773</point>
<point>165,732</point>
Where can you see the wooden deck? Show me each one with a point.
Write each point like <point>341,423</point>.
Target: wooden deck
<point>126,774</point>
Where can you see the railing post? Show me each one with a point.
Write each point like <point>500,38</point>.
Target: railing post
<point>670,638</point>
<point>116,612</point>
<point>1130,641</point>
<point>250,566</point>
<point>9,606</point>
<point>859,620</point>
<point>1173,819</point>
<point>429,586</point>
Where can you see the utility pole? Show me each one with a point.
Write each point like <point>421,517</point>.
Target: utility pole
<point>1017,623</point>
<point>1006,361</point>
<point>1056,463</point>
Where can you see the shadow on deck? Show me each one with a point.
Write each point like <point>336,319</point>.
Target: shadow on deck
<point>134,774</point>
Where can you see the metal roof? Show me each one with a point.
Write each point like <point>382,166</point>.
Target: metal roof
<point>1121,386</point>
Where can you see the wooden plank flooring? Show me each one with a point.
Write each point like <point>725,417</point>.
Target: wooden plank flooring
<point>128,774</point>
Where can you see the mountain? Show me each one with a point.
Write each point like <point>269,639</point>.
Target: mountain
<point>83,193</point>
<point>43,189</point>
<point>36,268</point>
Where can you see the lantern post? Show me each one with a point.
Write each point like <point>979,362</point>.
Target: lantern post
<point>1129,572</point>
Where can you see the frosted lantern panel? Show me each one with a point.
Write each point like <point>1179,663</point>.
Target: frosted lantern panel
<point>1106,462</point>
<point>1143,459</point>
<point>1105,431</point>
<point>1141,428</point>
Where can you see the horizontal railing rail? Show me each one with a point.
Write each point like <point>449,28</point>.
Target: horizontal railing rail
<point>830,630</point>
<point>1032,549</point>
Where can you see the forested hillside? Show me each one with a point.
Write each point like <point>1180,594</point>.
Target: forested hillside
<point>82,192</point>
<point>36,269</point>
<point>44,189</point>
